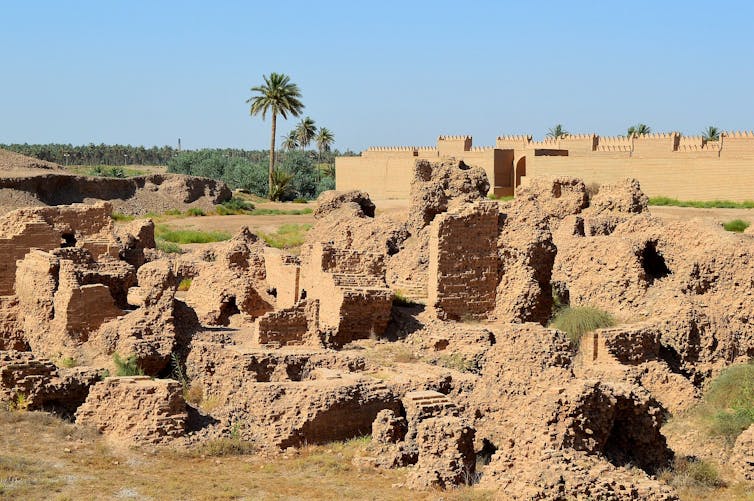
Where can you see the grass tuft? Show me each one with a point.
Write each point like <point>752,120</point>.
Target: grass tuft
<point>288,236</point>
<point>502,198</point>
<point>729,402</point>
<point>127,367</point>
<point>234,206</point>
<point>185,284</point>
<point>701,204</point>
<point>280,212</point>
<point>119,216</point>
<point>186,236</point>
<point>736,225</point>
<point>168,247</point>
<point>577,321</point>
<point>195,211</point>
<point>691,472</point>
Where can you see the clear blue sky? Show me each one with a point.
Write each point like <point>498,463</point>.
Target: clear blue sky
<point>375,73</point>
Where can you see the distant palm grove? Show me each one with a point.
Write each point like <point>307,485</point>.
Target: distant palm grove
<point>312,171</point>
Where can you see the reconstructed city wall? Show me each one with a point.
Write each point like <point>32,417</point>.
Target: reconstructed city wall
<point>385,173</point>
<point>669,164</point>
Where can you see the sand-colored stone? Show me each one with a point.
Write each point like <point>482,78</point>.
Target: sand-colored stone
<point>135,409</point>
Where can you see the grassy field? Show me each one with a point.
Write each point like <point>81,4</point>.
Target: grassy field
<point>699,204</point>
<point>45,458</point>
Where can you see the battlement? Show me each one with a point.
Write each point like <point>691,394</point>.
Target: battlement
<point>746,134</point>
<point>613,143</point>
<point>454,138</point>
<point>391,148</point>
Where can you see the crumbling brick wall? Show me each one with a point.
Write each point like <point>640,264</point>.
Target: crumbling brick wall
<point>463,261</point>
<point>354,300</point>
<point>289,326</point>
<point>282,273</point>
<point>48,228</point>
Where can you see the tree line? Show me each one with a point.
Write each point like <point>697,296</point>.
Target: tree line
<point>117,154</point>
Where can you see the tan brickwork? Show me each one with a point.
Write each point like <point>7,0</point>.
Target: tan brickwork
<point>463,262</point>
<point>666,164</point>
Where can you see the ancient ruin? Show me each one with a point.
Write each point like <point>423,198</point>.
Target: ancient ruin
<point>283,350</point>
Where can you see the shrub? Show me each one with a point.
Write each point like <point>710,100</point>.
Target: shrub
<point>127,367</point>
<point>227,446</point>
<point>185,284</point>
<point>692,472</point>
<point>234,206</point>
<point>168,247</point>
<point>67,362</point>
<point>729,401</point>
<point>737,225</point>
<point>577,321</point>
<point>195,211</point>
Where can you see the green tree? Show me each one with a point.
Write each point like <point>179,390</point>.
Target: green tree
<point>305,132</point>
<point>290,142</point>
<point>556,132</point>
<point>711,133</point>
<point>325,140</point>
<point>639,129</point>
<point>278,96</point>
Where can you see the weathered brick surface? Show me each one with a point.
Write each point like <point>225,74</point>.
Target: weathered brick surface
<point>463,262</point>
<point>136,409</point>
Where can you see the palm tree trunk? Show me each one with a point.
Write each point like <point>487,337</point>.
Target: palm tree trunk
<point>272,155</point>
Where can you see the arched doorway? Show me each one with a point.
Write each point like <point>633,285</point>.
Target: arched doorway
<point>520,170</point>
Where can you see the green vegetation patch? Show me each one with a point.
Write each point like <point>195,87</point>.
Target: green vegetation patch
<point>692,472</point>
<point>699,204</point>
<point>127,367</point>
<point>168,247</point>
<point>736,225</point>
<point>502,198</point>
<point>119,216</point>
<point>280,212</point>
<point>729,402</point>
<point>188,236</point>
<point>287,236</point>
<point>577,321</point>
<point>234,206</point>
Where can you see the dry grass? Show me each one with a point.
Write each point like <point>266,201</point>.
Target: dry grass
<point>35,464</point>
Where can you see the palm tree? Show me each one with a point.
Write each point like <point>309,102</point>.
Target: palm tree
<point>556,132</point>
<point>290,142</point>
<point>305,132</point>
<point>279,97</point>
<point>711,134</point>
<point>639,129</point>
<point>324,140</point>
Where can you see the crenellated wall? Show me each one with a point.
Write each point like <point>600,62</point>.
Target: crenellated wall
<point>666,164</point>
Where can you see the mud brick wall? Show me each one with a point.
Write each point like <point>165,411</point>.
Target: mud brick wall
<point>287,326</point>
<point>463,262</point>
<point>283,274</point>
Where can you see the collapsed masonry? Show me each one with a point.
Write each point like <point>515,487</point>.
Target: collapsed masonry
<point>271,347</point>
